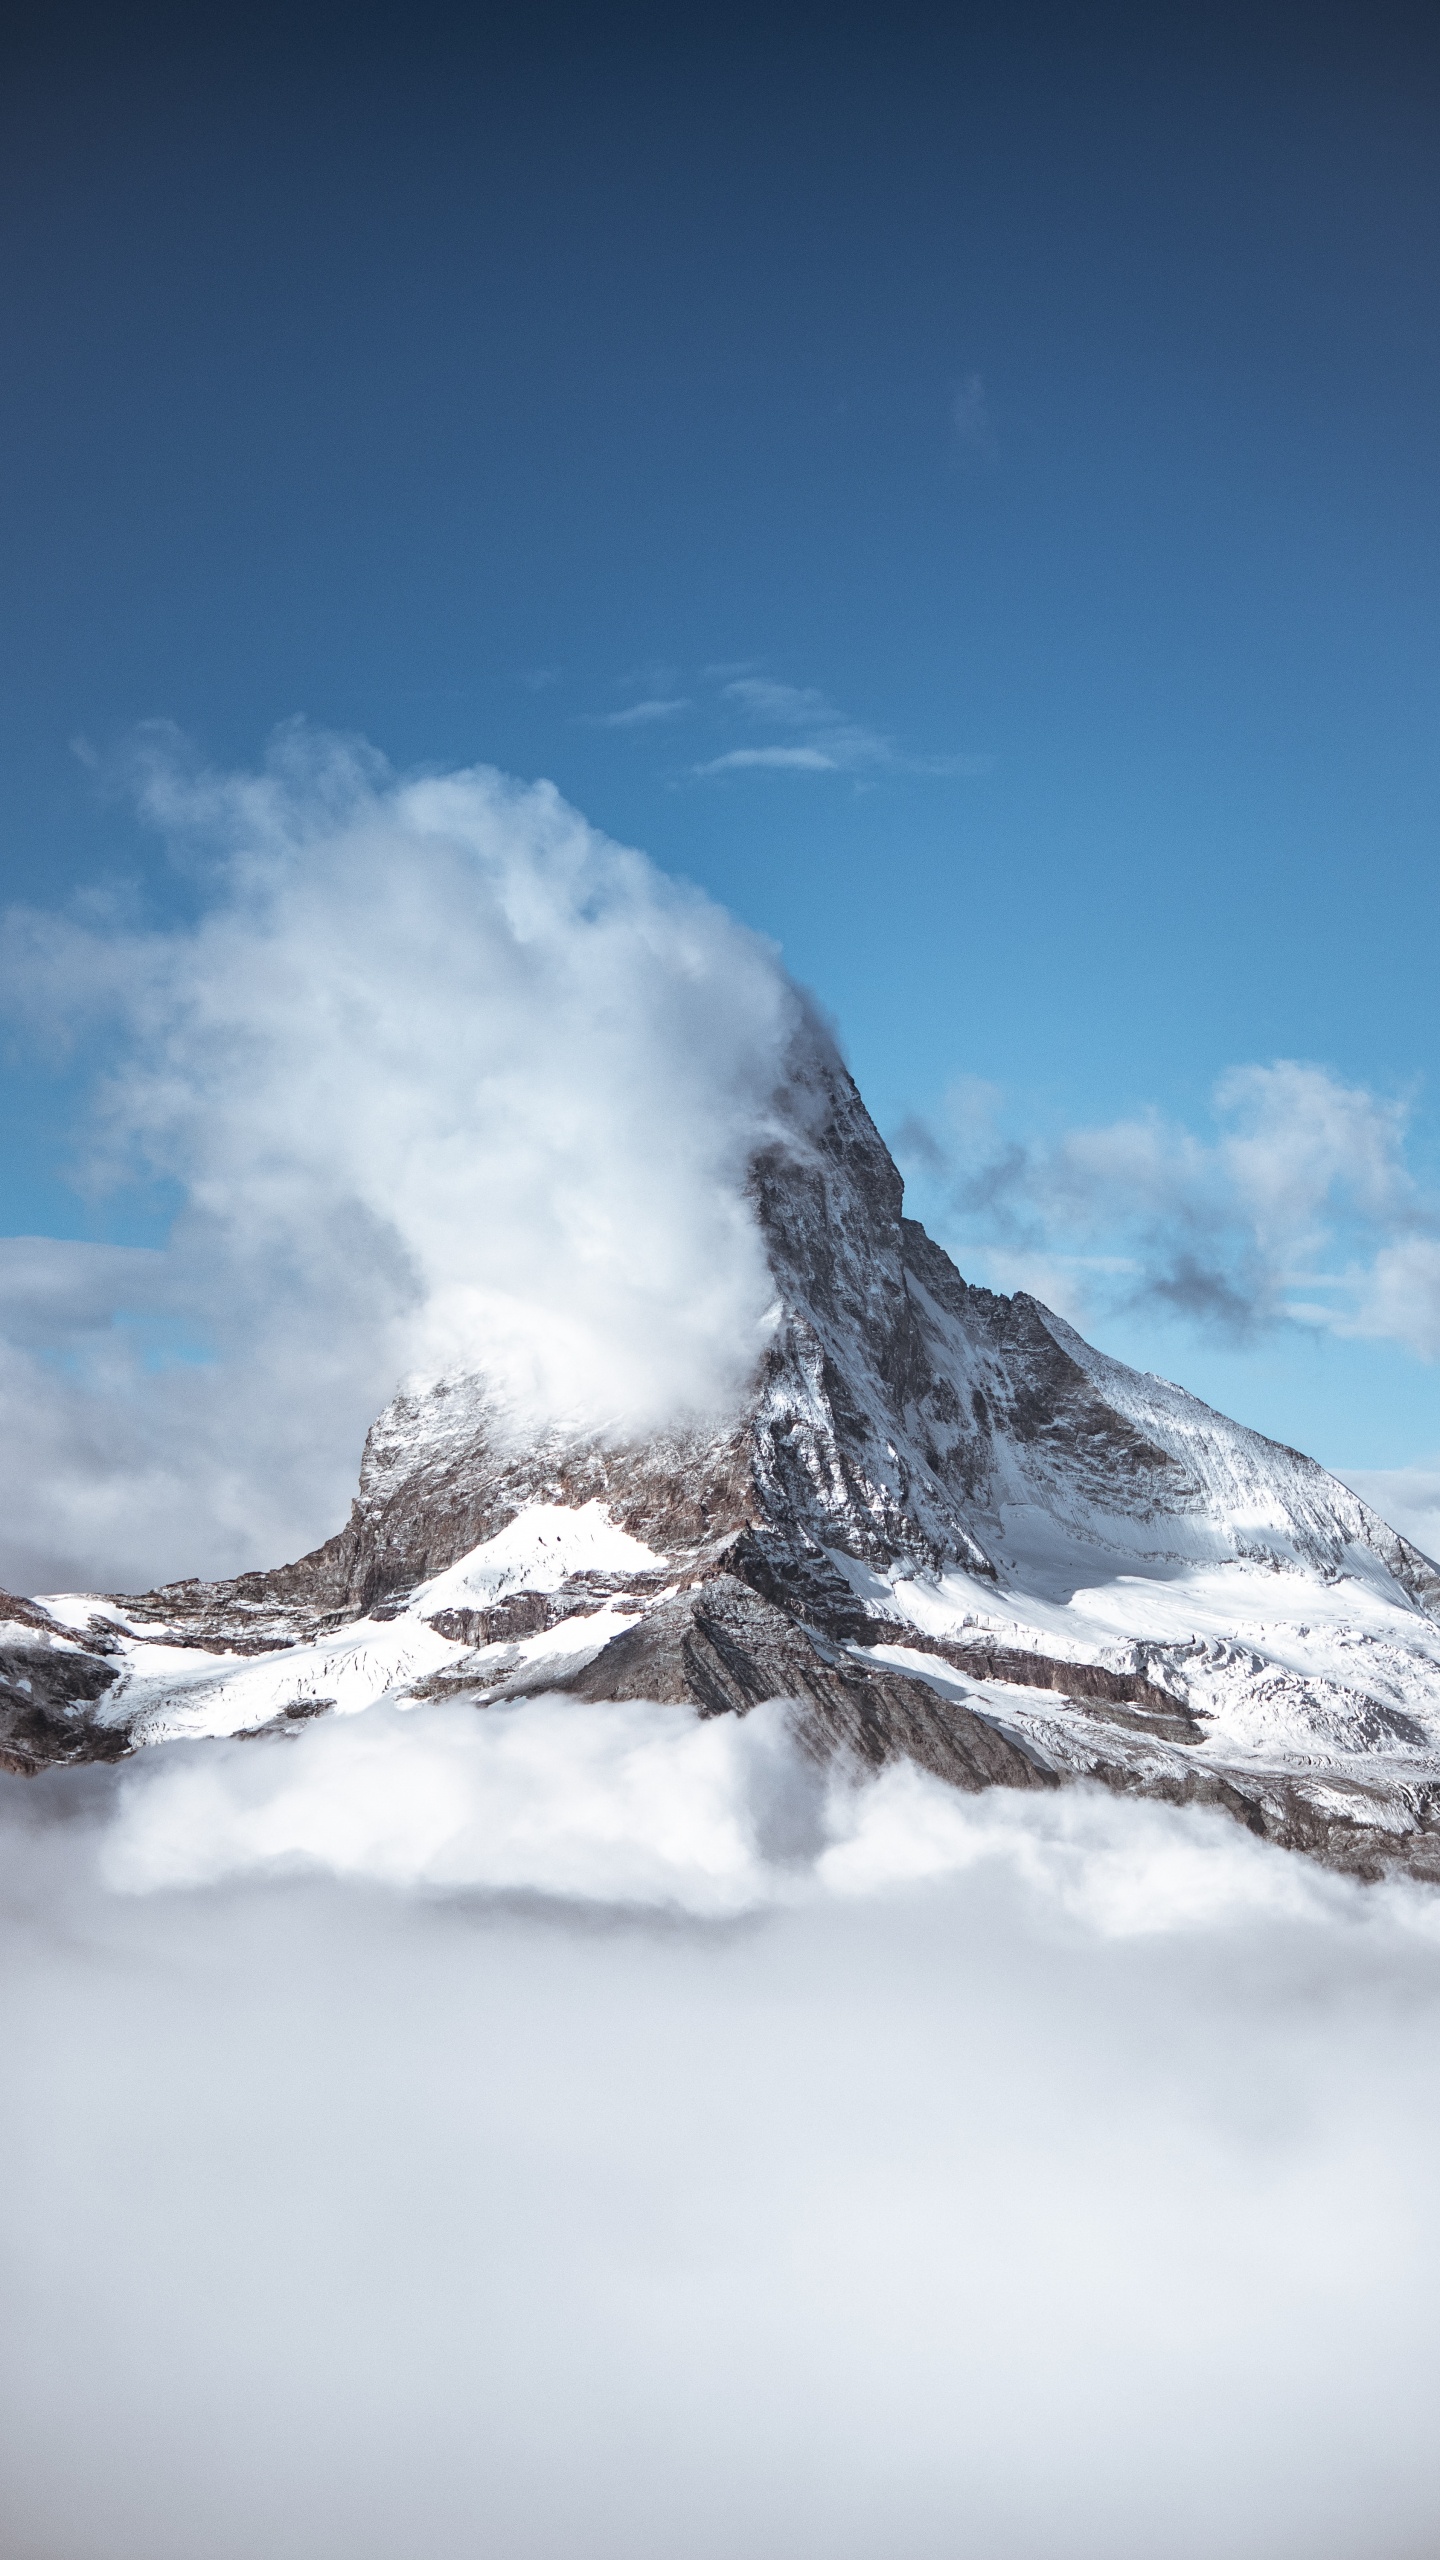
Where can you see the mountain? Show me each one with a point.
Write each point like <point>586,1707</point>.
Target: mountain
<point>942,1523</point>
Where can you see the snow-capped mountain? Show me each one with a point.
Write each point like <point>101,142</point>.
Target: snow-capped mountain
<point>942,1524</point>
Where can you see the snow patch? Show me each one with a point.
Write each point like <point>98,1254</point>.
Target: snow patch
<point>537,1551</point>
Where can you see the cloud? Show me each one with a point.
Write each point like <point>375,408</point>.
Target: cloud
<point>833,742</point>
<point>818,737</point>
<point>642,715</point>
<point>633,1804</point>
<point>651,1807</point>
<point>1300,1136</point>
<point>56,1296</point>
<point>1202,1291</point>
<point>773,760</point>
<point>1398,1298</point>
<point>443,1079</point>
<point>474,2165</point>
<point>1408,1497</point>
<point>797,706</point>
<point>1300,1208</point>
<point>971,421</point>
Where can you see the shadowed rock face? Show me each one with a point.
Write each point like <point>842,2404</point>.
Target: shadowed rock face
<point>724,1650</point>
<point>48,1694</point>
<point>901,1423</point>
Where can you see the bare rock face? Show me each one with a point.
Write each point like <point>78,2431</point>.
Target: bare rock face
<point>922,1470</point>
<point>49,1691</point>
<point>724,1649</point>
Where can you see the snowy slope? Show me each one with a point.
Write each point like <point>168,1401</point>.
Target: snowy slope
<point>942,1521</point>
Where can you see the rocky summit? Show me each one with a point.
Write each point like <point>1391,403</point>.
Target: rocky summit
<point>941,1525</point>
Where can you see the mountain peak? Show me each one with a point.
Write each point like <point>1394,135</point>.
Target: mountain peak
<point>941,1522</point>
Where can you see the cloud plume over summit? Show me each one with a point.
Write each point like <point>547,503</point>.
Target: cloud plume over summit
<point>442,1078</point>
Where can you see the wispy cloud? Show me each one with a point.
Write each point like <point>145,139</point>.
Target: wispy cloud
<point>808,733</point>
<point>1299,1208</point>
<point>641,715</point>
<point>773,760</point>
<point>970,419</point>
<point>823,738</point>
<point>797,706</point>
<point>834,743</point>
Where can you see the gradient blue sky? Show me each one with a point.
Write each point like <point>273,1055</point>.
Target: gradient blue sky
<point>1025,418</point>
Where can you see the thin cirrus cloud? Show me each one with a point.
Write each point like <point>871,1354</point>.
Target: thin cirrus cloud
<point>1301,1208</point>
<point>797,706</point>
<point>808,733</point>
<point>772,760</point>
<point>823,739</point>
<point>642,715</point>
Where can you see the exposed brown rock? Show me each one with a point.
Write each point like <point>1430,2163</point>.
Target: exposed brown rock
<point>47,1694</point>
<point>723,1649</point>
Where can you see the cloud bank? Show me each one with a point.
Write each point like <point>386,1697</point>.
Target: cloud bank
<point>442,1079</point>
<point>1301,1208</point>
<point>612,2140</point>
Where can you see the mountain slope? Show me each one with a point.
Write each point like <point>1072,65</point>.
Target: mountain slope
<point>942,1523</point>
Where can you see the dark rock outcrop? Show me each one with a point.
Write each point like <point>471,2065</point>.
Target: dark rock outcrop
<point>722,1648</point>
<point>49,1688</point>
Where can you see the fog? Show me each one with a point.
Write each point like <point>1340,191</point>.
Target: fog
<point>435,1077</point>
<point>608,2137</point>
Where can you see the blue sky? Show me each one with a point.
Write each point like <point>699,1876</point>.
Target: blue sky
<point>961,486</point>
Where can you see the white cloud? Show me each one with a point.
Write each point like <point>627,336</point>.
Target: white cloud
<point>634,1804</point>
<point>655,1807</point>
<point>834,743</point>
<point>773,760</point>
<point>1398,1298</point>
<point>796,706</point>
<point>1051,2173</point>
<point>1408,1497</point>
<point>1299,1208</point>
<point>444,1079</point>
<point>1300,1137</point>
<point>642,715</point>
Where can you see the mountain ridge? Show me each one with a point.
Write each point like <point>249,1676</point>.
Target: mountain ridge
<point>942,1523</point>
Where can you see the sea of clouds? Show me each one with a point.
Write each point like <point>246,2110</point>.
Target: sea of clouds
<point>579,2130</point>
<point>582,2132</point>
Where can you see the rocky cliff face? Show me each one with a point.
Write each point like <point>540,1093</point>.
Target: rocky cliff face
<point>942,1523</point>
